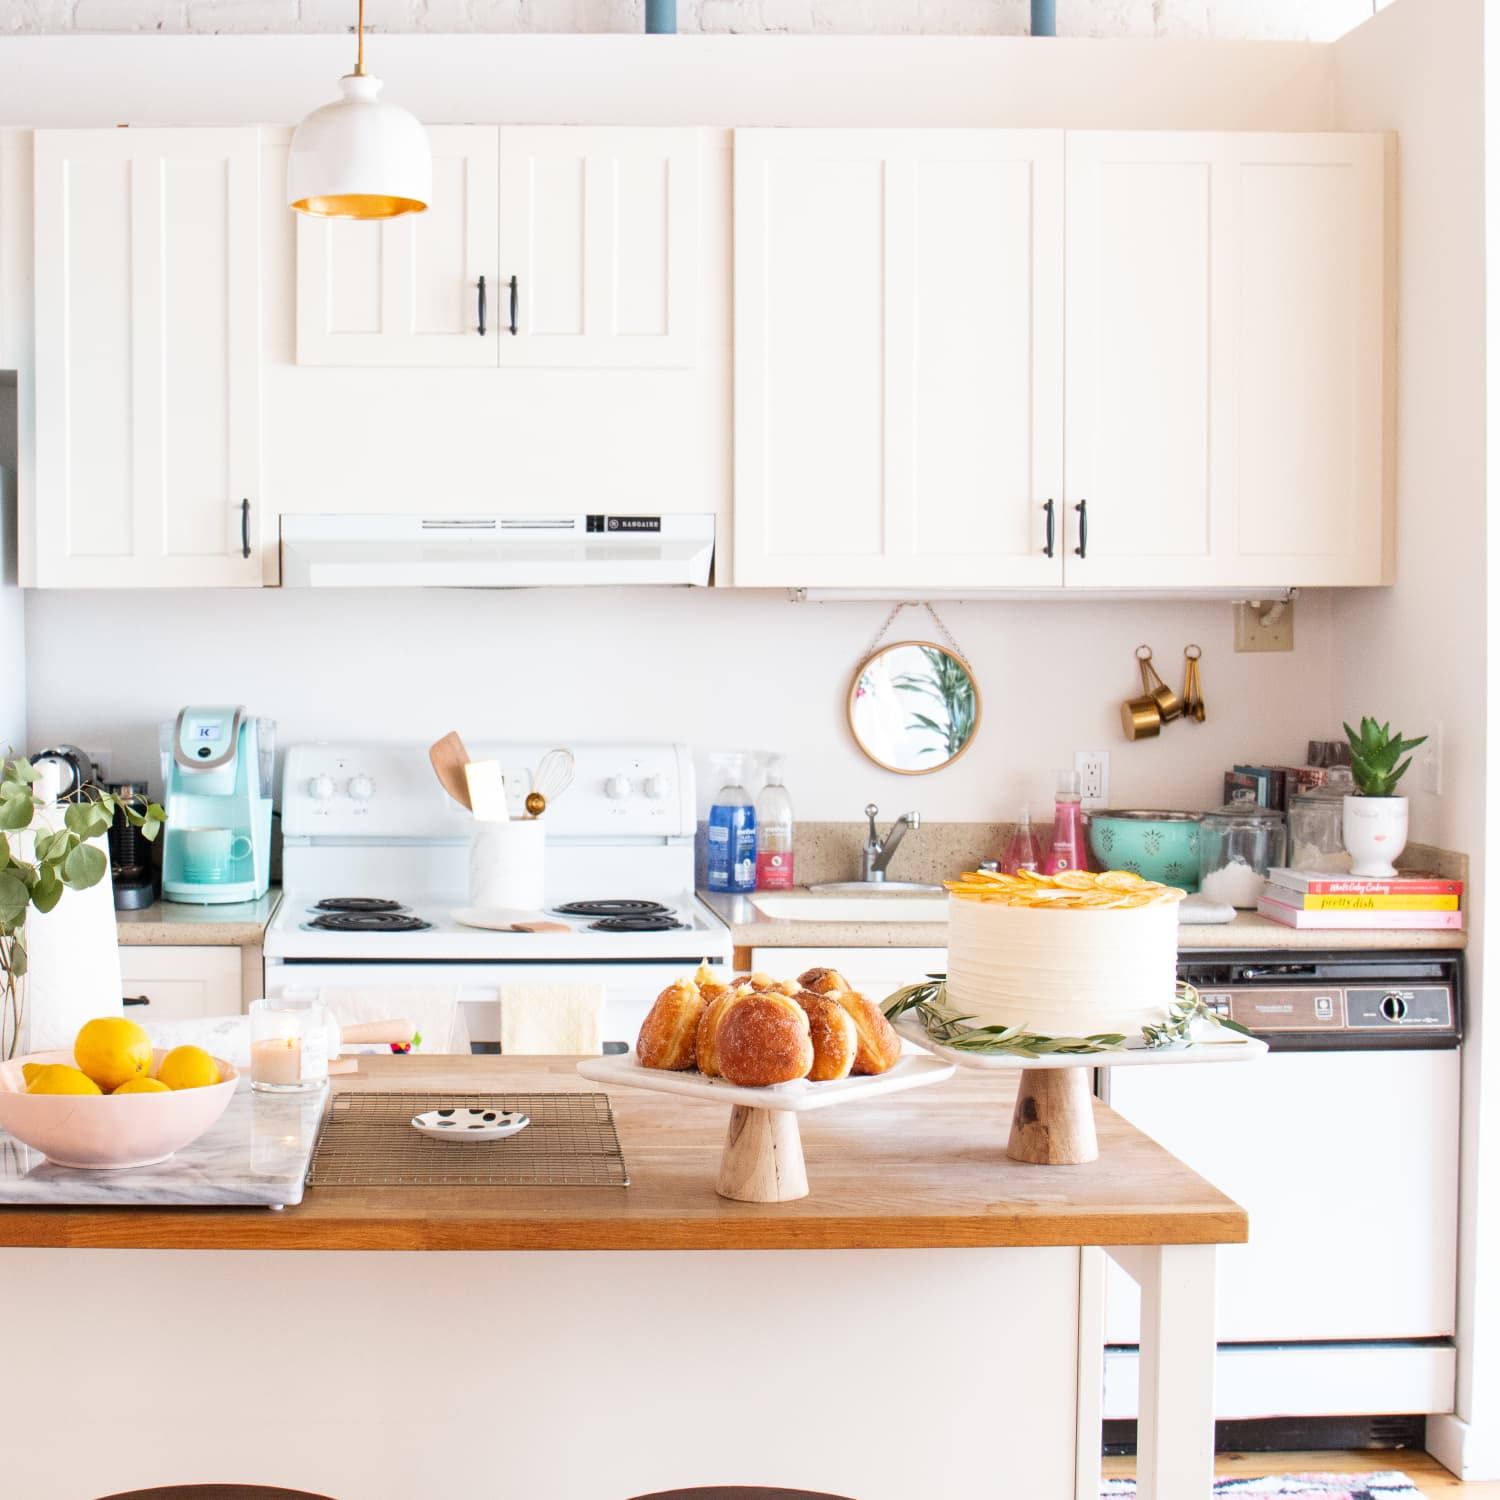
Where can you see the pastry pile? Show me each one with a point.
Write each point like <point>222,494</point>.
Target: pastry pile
<point>754,1031</point>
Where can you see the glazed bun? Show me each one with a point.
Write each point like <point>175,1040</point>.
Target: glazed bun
<point>707,1048</point>
<point>835,1038</point>
<point>879,1046</point>
<point>822,981</point>
<point>763,1038</point>
<point>669,1034</point>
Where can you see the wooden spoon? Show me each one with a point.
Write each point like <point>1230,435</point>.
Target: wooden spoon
<point>449,757</point>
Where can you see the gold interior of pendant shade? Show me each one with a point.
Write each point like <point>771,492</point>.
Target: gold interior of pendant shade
<point>360,206</point>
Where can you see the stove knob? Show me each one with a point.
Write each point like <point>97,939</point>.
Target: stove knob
<point>617,787</point>
<point>320,788</point>
<point>361,788</point>
<point>656,787</point>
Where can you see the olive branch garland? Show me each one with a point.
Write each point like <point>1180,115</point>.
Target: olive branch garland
<point>928,1001</point>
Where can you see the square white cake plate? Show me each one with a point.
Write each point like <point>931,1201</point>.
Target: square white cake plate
<point>762,1161</point>
<point>1053,1123</point>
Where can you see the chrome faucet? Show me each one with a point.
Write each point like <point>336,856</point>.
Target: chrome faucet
<point>877,852</point>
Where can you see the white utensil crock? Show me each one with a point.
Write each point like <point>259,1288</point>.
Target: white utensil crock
<point>1374,835</point>
<point>508,864</point>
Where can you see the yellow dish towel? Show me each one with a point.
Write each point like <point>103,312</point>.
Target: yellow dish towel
<point>552,1019</point>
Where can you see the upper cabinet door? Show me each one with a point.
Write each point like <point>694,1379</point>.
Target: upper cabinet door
<point>148,464</point>
<point>898,358</point>
<point>599,228</point>
<point>407,291</point>
<point>1227,370</point>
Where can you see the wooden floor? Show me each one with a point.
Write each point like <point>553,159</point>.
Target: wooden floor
<point>1429,1476</point>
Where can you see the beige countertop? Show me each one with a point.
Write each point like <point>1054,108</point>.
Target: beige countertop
<point>180,924</point>
<point>753,929</point>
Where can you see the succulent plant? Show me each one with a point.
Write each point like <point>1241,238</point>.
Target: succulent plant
<point>1375,754</point>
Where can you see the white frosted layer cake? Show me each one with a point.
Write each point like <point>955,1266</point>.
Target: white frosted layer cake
<point>1062,972</point>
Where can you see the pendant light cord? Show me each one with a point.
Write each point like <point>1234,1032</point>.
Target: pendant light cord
<point>359,61</point>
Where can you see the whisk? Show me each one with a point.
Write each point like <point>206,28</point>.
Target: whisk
<point>554,775</point>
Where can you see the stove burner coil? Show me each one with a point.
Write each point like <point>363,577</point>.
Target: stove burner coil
<point>617,909</point>
<point>357,904</point>
<point>369,921</point>
<point>664,923</point>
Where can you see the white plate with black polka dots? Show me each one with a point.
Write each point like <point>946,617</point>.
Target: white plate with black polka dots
<point>470,1124</point>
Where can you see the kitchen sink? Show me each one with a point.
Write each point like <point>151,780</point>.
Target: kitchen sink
<point>893,907</point>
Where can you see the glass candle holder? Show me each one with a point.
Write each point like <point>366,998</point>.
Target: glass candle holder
<point>288,1046</point>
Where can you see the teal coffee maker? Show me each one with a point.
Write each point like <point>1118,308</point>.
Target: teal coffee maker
<point>216,768</point>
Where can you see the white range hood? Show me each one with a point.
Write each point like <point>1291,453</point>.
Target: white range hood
<point>495,551</point>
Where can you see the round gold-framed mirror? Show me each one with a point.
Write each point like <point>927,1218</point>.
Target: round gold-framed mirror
<point>913,707</point>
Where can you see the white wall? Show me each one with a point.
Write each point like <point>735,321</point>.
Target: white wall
<point>12,615</point>
<point>1417,653</point>
<point>1093,18</point>
<point>719,669</point>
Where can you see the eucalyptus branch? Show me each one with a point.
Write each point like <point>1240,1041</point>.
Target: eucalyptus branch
<point>928,1001</point>
<point>62,859</point>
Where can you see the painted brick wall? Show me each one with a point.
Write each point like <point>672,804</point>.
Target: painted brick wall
<point>1317,20</point>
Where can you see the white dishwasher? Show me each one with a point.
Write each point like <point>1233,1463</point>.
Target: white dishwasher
<point>1342,1144</point>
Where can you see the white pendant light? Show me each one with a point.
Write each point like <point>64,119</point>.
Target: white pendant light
<point>359,158</point>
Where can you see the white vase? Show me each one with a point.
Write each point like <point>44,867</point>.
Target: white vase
<point>1374,835</point>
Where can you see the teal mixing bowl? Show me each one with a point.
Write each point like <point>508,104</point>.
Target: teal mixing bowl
<point>1155,845</point>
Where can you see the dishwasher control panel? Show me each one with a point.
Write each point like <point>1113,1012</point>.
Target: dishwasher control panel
<point>1308,1011</point>
<point>1376,1007</point>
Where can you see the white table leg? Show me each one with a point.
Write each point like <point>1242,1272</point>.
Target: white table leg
<point>1089,1448</point>
<point>1175,1442</point>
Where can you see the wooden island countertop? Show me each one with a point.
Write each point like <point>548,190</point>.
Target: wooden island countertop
<point>918,1170</point>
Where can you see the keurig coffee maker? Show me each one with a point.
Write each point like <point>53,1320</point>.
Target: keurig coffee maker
<point>216,774</point>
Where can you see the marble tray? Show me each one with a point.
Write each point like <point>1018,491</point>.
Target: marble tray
<point>256,1153</point>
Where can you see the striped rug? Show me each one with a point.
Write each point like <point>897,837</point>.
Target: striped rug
<point>1387,1486</point>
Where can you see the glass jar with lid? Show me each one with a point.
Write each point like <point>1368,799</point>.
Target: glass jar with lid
<point>1240,844</point>
<point>1316,824</point>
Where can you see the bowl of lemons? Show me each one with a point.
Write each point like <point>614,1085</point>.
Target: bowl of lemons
<point>114,1101</point>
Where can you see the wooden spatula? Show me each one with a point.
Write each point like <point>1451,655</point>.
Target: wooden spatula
<point>449,759</point>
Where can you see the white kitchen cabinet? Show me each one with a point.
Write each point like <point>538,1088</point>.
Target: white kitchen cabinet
<point>587,240</point>
<point>148,462</point>
<point>599,228</point>
<point>898,357</point>
<point>1228,369</point>
<point>406,291</point>
<point>181,984</point>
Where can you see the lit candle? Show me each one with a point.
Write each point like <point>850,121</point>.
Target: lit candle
<point>277,1061</point>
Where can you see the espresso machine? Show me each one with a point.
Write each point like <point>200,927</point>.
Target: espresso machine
<point>216,766</point>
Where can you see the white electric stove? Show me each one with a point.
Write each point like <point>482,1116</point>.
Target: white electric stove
<point>375,864</point>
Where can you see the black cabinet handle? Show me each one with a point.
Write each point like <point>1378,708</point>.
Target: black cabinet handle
<point>244,528</point>
<point>515,307</point>
<point>1051,508</point>
<point>137,1000</point>
<point>481,306</point>
<point>1082,549</point>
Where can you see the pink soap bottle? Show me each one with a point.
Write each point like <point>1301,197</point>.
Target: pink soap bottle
<point>1023,852</point>
<point>1067,826</point>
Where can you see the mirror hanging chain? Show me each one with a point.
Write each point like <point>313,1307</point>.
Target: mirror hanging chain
<point>937,620</point>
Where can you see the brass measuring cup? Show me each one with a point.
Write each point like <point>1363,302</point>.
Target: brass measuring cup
<point>1192,685</point>
<point>1168,704</point>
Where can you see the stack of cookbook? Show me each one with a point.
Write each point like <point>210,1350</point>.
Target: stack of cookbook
<point>1312,898</point>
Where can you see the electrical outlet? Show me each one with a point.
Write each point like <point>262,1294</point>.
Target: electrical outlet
<point>1093,776</point>
<point>1253,633</point>
<point>1429,766</point>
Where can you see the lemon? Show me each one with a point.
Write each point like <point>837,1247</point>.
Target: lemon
<point>188,1068</point>
<point>143,1086</point>
<point>30,1071</point>
<point>59,1078</point>
<point>111,1050</point>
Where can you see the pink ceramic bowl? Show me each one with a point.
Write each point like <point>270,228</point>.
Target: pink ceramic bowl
<point>91,1130</point>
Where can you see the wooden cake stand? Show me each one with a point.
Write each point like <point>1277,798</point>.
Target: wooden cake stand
<point>762,1160</point>
<point>1053,1123</point>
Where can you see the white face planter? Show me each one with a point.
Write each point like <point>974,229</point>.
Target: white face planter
<point>1374,834</point>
